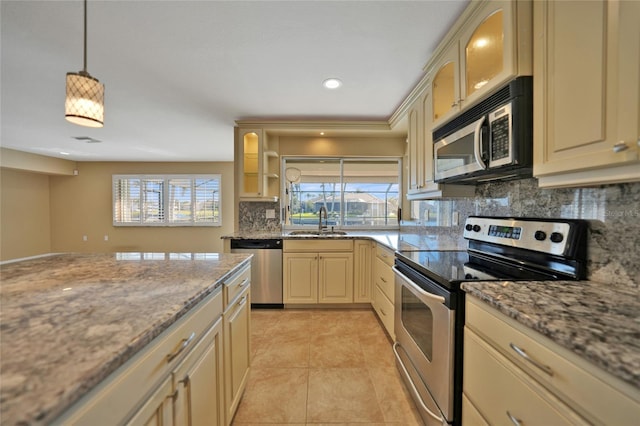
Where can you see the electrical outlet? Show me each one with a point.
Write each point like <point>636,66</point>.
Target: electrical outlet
<point>85,238</point>
<point>270,213</point>
<point>106,238</point>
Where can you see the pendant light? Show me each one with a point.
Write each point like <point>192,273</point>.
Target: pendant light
<point>84,104</point>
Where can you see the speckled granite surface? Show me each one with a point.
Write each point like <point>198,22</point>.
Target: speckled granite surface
<point>599,322</point>
<point>395,240</point>
<point>67,321</point>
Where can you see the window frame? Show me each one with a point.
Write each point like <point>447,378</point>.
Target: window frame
<point>284,187</point>
<point>166,198</point>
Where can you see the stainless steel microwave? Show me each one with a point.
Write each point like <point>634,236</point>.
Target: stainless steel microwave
<point>492,140</point>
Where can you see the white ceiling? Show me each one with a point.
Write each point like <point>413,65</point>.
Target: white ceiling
<point>177,74</point>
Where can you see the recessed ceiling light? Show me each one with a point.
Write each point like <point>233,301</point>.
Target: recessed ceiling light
<point>332,83</point>
<point>64,153</point>
<point>321,133</point>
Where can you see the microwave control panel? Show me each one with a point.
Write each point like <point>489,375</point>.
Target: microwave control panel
<point>500,137</point>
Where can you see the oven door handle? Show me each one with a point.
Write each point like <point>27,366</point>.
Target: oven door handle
<point>413,386</point>
<point>418,289</point>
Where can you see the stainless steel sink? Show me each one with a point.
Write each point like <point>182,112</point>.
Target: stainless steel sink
<point>303,232</point>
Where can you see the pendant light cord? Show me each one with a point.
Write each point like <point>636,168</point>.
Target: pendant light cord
<point>84,64</point>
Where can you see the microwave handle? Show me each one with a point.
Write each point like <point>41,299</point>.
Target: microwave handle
<point>479,142</point>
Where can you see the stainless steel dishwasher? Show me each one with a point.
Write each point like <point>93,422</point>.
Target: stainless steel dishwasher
<point>266,270</point>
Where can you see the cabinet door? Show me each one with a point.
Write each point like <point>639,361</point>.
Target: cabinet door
<point>445,87</point>
<point>300,277</point>
<point>362,272</point>
<point>198,382</point>
<point>586,91</point>
<point>335,278</point>
<point>249,156</point>
<point>157,410</point>
<point>413,136</point>
<point>237,350</point>
<point>488,48</point>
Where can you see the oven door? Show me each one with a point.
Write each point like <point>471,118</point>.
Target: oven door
<point>461,152</point>
<point>424,347</point>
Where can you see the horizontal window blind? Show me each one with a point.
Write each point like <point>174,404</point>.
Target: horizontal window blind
<point>166,200</point>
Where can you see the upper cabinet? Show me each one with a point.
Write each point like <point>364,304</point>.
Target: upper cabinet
<point>257,165</point>
<point>490,46</point>
<point>586,92</point>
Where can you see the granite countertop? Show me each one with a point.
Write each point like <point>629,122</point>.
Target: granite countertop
<point>70,320</point>
<point>599,322</point>
<point>393,239</point>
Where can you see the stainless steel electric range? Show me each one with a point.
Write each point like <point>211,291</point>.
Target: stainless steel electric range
<point>429,305</point>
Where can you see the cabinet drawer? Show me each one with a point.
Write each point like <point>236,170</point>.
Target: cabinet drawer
<point>385,254</point>
<point>131,384</point>
<point>580,384</point>
<point>498,390</point>
<point>316,245</point>
<point>384,278</point>
<point>235,284</point>
<point>384,308</point>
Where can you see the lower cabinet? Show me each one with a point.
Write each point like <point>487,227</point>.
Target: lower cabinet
<point>193,394</point>
<point>514,375</point>
<point>383,288</point>
<point>318,271</point>
<point>362,271</point>
<point>237,351</point>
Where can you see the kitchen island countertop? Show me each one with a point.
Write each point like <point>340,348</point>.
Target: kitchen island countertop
<point>70,320</point>
<point>598,322</point>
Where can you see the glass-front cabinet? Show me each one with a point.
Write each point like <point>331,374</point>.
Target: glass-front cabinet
<point>257,165</point>
<point>492,45</point>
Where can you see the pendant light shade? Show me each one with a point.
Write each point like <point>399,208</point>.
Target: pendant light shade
<point>84,104</point>
<point>85,100</point>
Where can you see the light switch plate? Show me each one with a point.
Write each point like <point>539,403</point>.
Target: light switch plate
<point>270,213</point>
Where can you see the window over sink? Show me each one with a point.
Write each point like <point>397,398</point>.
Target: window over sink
<point>356,192</point>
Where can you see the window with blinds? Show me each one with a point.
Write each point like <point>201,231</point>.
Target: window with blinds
<point>167,200</point>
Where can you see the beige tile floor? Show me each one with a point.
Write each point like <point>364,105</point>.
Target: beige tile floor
<point>314,367</point>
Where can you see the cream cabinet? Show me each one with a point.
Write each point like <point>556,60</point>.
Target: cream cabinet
<point>362,271</point>
<point>237,344</point>
<point>420,155</point>
<point>384,288</point>
<point>257,165</point>
<point>317,271</point>
<point>176,379</point>
<point>489,45</point>
<point>586,92</point>
<point>514,373</point>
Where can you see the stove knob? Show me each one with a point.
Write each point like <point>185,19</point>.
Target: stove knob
<point>540,235</point>
<point>556,237</point>
<point>468,227</point>
<point>476,228</point>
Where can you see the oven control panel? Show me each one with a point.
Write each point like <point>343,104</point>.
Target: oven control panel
<point>547,236</point>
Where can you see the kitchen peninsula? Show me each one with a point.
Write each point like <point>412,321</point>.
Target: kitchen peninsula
<point>71,320</point>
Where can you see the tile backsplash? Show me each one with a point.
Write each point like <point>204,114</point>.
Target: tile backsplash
<point>252,217</point>
<point>613,212</point>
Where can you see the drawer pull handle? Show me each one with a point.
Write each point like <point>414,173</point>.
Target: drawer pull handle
<point>183,344</point>
<point>515,421</point>
<point>383,280</point>
<point>620,146</point>
<point>243,283</point>
<point>242,301</point>
<point>537,364</point>
<point>383,312</point>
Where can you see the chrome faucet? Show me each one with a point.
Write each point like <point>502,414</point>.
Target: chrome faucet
<point>326,219</point>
